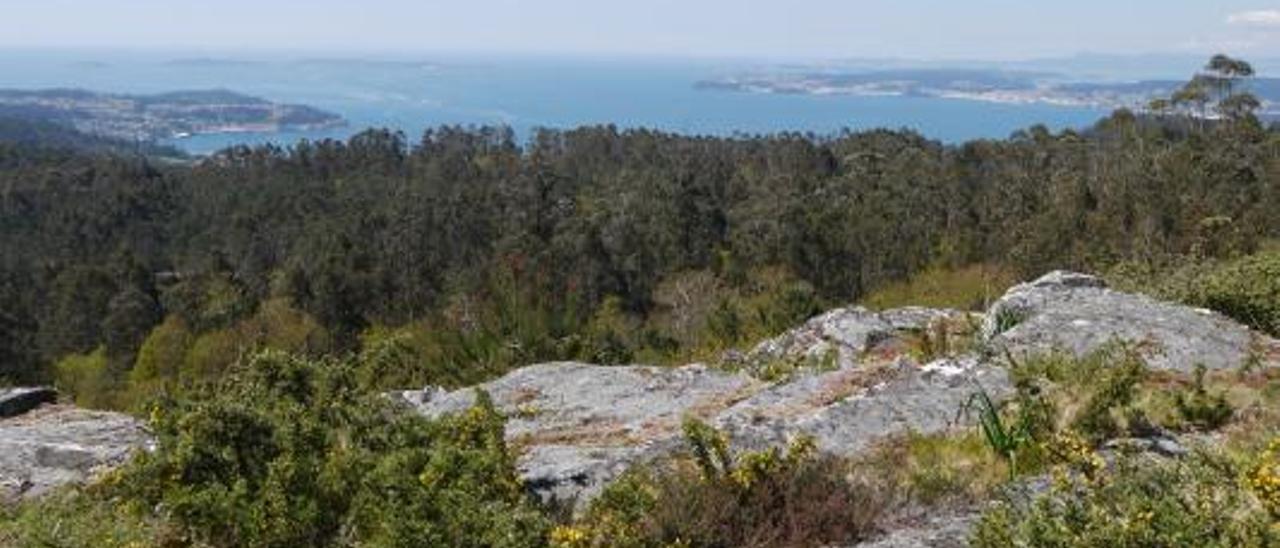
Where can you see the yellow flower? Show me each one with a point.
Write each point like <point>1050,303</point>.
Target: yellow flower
<point>564,536</point>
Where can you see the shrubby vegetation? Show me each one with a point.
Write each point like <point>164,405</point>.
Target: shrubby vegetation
<point>475,253</point>
<point>1246,288</point>
<point>286,451</point>
<point>1195,502</point>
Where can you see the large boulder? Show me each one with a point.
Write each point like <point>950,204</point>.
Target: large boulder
<point>16,401</point>
<point>843,337</point>
<point>55,445</point>
<point>579,426</point>
<point>1078,314</point>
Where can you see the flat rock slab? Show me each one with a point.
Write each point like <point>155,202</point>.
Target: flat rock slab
<point>579,426</point>
<point>56,445</point>
<point>1078,314</point>
<point>848,411</point>
<point>621,405</point>
<point>16,401</point>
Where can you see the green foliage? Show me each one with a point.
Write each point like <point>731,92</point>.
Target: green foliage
<point>1193,503</point>
<point>1200,409</point>
<point>1247,289</point>
<point>1101,417</point>
<point>290,452</point>
<point>87,377</point>
<point>76,519</point>
<point>160,355</point>
<point>1244,288</point>
<point>1099,395</point>
<point>710,449</point>
<point>1016,440</point>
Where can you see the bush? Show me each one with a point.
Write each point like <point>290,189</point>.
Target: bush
<point>1193,503</point>
<point>1200,409</point>
<point>291,452</point>
<point>1098,394</point>
<point>766,498</point>
<point>88,378</point>
<point>1109,404</point>
<point>1247,289</point>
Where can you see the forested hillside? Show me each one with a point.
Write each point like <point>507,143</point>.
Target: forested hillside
<point>464,253</point>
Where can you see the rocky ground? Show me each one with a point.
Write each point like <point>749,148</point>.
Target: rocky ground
<point>847,378</point>
<point>853,377</point>
<point>53,445</point>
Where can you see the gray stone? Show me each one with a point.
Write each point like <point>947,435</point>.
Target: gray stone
<point>57,445</point>
<point>918,318</point>
<point>847,411</point>
<point>1078,314</point>
<point>16,401</point>
<point>843,334</point>
<point>847,335</point>
<point>950,531</point>
<point>579,426</point>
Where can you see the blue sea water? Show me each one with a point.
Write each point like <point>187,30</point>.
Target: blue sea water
<point>412,94</point>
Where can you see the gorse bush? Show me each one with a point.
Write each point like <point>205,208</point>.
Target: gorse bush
<point>288,451</point>
<point>1246,288</point>
<point>1108,409</point>
<point>775,497</point>
<point>1197,502</point>
<point>1096,395</point>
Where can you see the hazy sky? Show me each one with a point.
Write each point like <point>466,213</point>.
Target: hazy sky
<point>783,28</point>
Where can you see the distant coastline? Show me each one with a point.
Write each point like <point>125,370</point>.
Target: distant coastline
<point>165,116</point>
<point>989,86</point>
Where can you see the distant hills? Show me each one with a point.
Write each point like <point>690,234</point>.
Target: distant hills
<point>162,116</point>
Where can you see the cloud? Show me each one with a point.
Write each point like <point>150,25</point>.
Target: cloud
<point>1256,18</point>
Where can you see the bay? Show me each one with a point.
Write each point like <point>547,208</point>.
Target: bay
<point>411,94</point>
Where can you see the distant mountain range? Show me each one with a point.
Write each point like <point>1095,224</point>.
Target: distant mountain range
<point>162,116</point>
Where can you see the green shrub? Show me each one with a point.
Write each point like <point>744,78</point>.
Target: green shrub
<point>87,378</point>
<point>1197,502</point>
<point>1112,398</point>
<point>290,452</point>
<point>1096,395</point>
<point>1200,409</point>
<point>1247,289</point>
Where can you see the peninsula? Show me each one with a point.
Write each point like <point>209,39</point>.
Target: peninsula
<point>163,116</point>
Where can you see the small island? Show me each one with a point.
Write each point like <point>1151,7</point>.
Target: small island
<point>172,115</point>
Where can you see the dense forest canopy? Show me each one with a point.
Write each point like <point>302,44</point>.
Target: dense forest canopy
<point>463,253</point>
